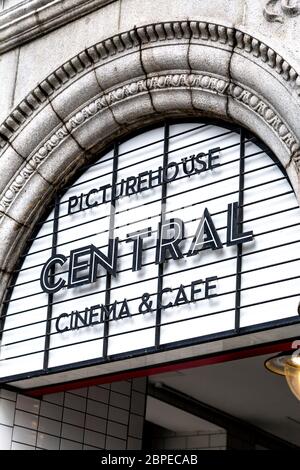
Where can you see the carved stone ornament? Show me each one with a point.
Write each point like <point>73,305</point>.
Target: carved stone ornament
<point>277,10</point>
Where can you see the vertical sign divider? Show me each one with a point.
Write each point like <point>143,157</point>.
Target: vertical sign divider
<point>111,235</point>
<point>240,226</point>
<point>163,210</point>
<point>52,274</point>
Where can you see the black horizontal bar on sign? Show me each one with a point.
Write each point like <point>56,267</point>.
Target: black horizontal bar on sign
<point>150,327</point>
<point>169,274</point>
<point>145,160</point>
<point>91,165</point>
<point>222,149</point>
<point>245,205</point>
<point>152,247</point>
<point>154,156</point>
<point>147,264</point>
<point>140,205</point>
<point>50,334</point>
<point>130,165</point>
<point>136,207</point>
<point>146,204</point>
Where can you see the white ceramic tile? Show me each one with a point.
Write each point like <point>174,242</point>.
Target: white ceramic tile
<point>8,394</point>
<point>136,424</point>
<point>27,420</point>
<point>80,391</point>
<point>75,402</point>
<point>24,436</point>
<point>73,417</point>
<point>97,408</point>
<point>139,384</point>
<point>32,405</point>
<point>137,404</point>
<point>45,441</point>
<point>112,443</point>
<point>72,432</point>
<point>122,401</point>
<point>95,423</point>
<point>49,410</point>
<point>50,426</point>
<point>99,394</point>
<point>94,439</point>
<point>118,415</point>
<point>19,446</point>
<point>218,440</point>
<point>70,445</point>
<point>134,444</point>
<point>7,411</point>
<point>57,398</point>
<point>121,387</point>
<point>117,430</point>
<point>5,437</point>
<point>107,386</point>
<point>197,442</point>
<point>174,443</point>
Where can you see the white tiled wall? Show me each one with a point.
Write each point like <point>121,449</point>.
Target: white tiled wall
<point>197,440</point>
<point>109,416</point>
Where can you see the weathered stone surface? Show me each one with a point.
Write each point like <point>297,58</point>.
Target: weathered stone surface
<point>10,163</point>
<point>61,45</point>
<point>28,202</point>
<point>8,70</point>
<point>112,73</point>
<point>36,131</point>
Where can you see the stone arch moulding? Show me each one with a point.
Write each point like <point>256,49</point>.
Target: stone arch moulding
<point>186,68</point>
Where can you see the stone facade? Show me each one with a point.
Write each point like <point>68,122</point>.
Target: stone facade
<point>77,74</point>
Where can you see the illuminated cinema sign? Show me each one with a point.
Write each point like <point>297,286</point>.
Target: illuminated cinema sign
<point>182,235</point>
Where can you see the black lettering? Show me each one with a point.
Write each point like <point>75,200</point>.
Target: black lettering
<point>104,192</point>
<point>209,287</point>
<point>169,244</point>
<point>155,175</point>
<point>206,235</point>
<point>202,163</point>
<point>166,177</point>
<point>80,318</point>
<point>181,297</point>
<point>119,189</point>
<point>57,323</point>
<point>107,262</point>
<point>124,310</point>
<point>188,165</point>
<point>87,199</point>
<point>130,185</point>
<point>47,275</point>
<point>212,157</point>
<point>142,181</point>
<point>194,290</point>
<point>137,239</point>
<point>160,303</point>
<point>72,203</point>
<point>94,314</point>
<point>78,265</point>
<point>234,222</point>
<point>107,310</point>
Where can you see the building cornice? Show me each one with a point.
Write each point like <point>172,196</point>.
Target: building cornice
<point>34,18</point>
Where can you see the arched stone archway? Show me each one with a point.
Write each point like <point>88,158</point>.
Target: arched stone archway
<point>132,79</point>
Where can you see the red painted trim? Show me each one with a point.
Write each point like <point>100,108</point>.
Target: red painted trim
<point>161,369</point>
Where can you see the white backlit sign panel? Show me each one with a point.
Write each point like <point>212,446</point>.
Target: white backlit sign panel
<point>183,234</point>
